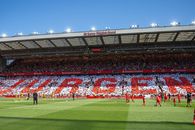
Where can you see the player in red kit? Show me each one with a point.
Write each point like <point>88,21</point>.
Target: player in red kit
<point>132,97</point>
<point>158,100</point>
<point>179,97</point>
<point>127,97</point>
<point>174,100</point>
<point>165,97</point>
<point>144,100</point>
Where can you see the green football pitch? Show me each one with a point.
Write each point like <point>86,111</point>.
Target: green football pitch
<point>93,114</point>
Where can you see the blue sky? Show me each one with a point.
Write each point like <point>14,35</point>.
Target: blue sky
<point>41,15</point>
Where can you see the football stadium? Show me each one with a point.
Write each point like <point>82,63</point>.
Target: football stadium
<point>136,78</point>
<point>112,78</point>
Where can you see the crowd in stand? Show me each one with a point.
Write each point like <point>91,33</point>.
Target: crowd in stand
<point>115,85</point>
<point>124,62</point>
<point>111,85</point>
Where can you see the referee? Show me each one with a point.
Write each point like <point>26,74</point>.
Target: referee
<point>189,99</point>
<point>35,98</point>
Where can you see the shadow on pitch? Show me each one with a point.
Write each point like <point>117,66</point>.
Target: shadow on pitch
<point>96,121</point>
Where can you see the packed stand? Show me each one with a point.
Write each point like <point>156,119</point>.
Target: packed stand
<point>111,62</point>
<point>98,85</point>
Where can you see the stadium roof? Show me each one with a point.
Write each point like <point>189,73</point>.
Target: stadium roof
<point>41,44</point>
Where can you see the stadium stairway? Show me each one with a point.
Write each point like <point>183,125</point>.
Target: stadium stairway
<point>12,87</point>
<point>26,89</point>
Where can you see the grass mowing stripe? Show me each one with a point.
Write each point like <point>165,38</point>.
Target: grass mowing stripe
<point>86,117</point>
<point>107,114</point>
<point>18,114</point>
<point>166,117</point>
<point>29,110</point>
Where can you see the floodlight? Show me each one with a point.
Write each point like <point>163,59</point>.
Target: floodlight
<point>153,24</point>
<point>35,33</point>
<point>193,22</point>
<point>93,28</point>
<point>68,30</point>
<point>134,26</point>
<point>107,28</point>
<point>20,34</point>
<point>51,31</point>
<point>4,35</point>
<point>174,23</point>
